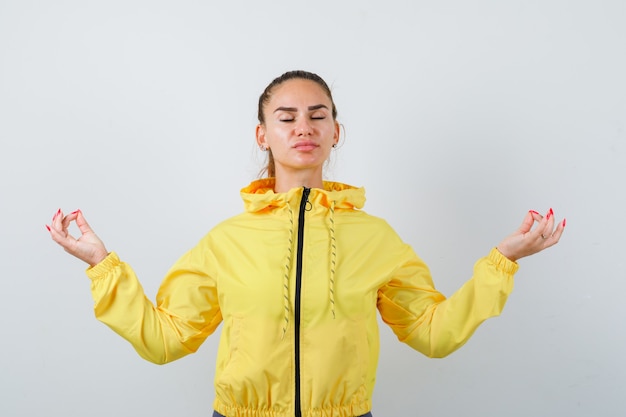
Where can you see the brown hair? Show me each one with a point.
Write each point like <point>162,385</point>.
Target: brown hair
<point>267,94</point>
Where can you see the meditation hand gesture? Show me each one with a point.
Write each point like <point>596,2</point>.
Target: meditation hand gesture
<point>526,242</point>
<point>88,247</point>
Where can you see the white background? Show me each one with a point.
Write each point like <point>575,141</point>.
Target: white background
<point>460,116</point>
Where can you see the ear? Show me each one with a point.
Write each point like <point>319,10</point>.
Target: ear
<point>337,134</point>
<point>260,136</point>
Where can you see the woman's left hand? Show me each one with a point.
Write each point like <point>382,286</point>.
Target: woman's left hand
<point>527,241</point>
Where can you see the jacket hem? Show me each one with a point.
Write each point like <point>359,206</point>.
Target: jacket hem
<point>354,410</point>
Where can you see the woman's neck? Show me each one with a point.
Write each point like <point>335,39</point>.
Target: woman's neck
<point>285,181</point>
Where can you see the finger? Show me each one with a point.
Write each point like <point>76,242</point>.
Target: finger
<point>82,224</point>
<point>527,223</point>
<point>559,230</point>
<point>69,219</point>
<point>63,238</point>
<point>57,221</point>
<point>536,216</point>
<point>546,228</point>
<point>556,236</point>
<point>59,233</point>
<point>56,214</point>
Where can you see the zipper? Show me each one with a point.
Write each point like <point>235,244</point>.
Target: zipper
<point>303,205</point>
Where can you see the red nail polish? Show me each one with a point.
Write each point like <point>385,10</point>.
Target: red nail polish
<point>564,222</point>
<point>550,213</point>
<point>533,211</point>
<point>74,212</point>
<point>48,227</point>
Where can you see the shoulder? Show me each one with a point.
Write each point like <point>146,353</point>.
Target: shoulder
<point>361,225</point>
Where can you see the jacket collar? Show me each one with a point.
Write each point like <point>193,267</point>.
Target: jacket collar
<point>259,195</point>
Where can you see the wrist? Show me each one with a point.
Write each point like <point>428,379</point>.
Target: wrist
<point>506,253</point>
<point>97,258</point>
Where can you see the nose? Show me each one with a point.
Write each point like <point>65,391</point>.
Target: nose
<point>303,128</point>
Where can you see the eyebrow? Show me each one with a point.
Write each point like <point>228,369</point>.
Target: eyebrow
<point>294,109</point>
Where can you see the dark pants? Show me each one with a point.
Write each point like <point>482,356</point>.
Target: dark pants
<point>216,414</point>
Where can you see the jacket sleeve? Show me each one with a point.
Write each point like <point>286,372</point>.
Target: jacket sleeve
<point>424,319</point>
<point>186,312</point>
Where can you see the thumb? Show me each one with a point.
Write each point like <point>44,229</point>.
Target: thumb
<point>527,223</point>
<point>82,224</point>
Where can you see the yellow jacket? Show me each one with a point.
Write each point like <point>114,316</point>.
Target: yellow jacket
<point>297,282</point>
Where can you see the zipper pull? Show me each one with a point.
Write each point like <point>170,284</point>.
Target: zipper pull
<point>305,196</point>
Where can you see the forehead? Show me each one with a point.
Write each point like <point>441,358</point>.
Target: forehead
<point>297,90</point>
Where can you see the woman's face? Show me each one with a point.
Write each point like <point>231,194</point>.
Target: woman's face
<point>299,127</point>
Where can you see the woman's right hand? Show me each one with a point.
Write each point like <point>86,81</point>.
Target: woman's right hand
<point>88,247</point>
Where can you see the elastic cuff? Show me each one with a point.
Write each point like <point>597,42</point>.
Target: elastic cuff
<point>502,263</point>
<point>101,269</point>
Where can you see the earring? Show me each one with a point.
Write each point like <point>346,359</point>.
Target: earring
<point>335,145</point>
<point>263,148</point>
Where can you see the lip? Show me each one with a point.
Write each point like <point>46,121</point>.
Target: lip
<point>305,145</point>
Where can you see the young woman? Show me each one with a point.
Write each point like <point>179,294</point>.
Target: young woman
<point>297,279</point>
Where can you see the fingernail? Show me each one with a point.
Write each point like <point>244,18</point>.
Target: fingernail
<point>533,211</point>
<point>550,213</point>
<point>74,212</point>
<point>48,227</point>
<point>564,222</point>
